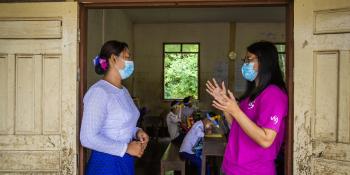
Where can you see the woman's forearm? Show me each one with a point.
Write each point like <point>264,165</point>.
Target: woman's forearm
<point>228,118</point>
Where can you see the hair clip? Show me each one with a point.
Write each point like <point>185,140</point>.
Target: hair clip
<point>100,60</point>
<point>95,61</point>
<point>103,63</point>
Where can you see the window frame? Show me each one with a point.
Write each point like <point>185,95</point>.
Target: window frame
<point>163,68</point>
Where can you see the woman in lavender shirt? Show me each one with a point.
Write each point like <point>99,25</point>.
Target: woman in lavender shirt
<point>110,115</point>
<point>258,121</point>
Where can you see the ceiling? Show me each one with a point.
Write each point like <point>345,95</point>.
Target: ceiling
<point>220,14</point>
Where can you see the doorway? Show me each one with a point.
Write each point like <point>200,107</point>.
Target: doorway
<point>140,9</point>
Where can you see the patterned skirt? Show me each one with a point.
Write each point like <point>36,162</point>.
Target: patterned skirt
<point>106,164</point>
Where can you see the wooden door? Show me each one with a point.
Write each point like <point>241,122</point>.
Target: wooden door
<point>38,88</point>
<point>322,87</point>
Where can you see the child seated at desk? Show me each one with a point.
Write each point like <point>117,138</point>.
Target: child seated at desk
<point>191,147</point>
<point>173,120</point>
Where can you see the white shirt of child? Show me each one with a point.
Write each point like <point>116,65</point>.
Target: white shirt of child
<point>196,132</point>
<point>172,123</point>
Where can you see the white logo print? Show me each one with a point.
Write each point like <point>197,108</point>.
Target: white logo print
<point>274,119</point>
<point>251,105</point>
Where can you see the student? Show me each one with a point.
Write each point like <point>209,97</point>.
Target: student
<point>258,121</point>
<point>110,115</point>
<point>188,109</point>
<point>173,120</point>
<point>193,138</point>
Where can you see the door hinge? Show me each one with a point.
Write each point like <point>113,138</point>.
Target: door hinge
<point>78,74</point>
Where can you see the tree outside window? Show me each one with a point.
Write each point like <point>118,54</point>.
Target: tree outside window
<point>181,65</point>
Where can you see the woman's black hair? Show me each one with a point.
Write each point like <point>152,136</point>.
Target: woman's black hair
<point>269,71</point>
<point>110,47</point>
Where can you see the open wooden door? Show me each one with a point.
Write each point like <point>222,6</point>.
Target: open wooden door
<point>38,88</point>
<point>322,87</point>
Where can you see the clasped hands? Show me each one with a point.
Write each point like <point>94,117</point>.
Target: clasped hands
<point>137,148</point>
<point>224,99</point>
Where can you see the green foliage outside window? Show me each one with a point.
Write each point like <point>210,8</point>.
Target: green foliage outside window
<point>281,49</point>
<point>181,70</point>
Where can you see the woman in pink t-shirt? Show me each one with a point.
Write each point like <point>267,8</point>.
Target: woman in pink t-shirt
<point>258,121</point>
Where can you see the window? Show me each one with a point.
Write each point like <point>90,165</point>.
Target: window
<point>281,49</point>
<point>181,62</point>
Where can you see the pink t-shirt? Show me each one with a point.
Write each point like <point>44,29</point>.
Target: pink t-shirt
<point>242,155</point>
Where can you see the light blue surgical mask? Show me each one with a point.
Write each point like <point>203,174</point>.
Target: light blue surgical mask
<point>127,70</point>
<point>248,71</point>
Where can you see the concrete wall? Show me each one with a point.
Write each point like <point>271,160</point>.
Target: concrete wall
<point>146,45</point>
<point>246,34</point>
<point>149,39</point>
<point>104,25</point>
<point>94,42</point>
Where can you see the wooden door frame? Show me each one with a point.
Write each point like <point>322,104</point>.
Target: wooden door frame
<point>84,5</point>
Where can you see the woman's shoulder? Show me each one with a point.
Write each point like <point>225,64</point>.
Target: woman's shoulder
<point>104,87</point>
<point>98,86</point>
<point>97,90</point>
<point>273,91</point>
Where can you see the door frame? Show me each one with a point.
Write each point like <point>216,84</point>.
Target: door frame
<point>84,5</point>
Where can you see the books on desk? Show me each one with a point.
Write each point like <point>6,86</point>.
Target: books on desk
<point>214,135</point>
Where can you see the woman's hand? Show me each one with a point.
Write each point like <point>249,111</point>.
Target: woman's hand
<point>143,138</point>
<point>215,90</point>
<point>135,149</point>
<point>227,104</point>
<point>222,101</point>
<point>219,93</point>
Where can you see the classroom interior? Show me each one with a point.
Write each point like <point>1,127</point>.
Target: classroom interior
<point>220,35</point>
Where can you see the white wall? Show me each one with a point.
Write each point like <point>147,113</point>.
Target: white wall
<point>248,33</point>
<point>149,39</point>
<point>146,44</point>
<point>104,25</point>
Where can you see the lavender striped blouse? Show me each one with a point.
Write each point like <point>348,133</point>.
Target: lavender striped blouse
<point>109,119</point>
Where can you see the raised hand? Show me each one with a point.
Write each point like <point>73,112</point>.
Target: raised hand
<point>227,103</point>
<point>215,90</point>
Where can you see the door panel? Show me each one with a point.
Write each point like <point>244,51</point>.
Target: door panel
<point>38,89</point>
<point>322,87</point>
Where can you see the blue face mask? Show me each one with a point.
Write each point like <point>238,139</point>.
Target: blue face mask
<point>127,70</point>
<point>248,71</point>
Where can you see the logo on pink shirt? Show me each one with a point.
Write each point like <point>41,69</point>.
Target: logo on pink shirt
<point>274,119</point>
<point>251,105</point>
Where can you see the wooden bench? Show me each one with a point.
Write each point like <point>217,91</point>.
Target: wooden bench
<point>171,160</point>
